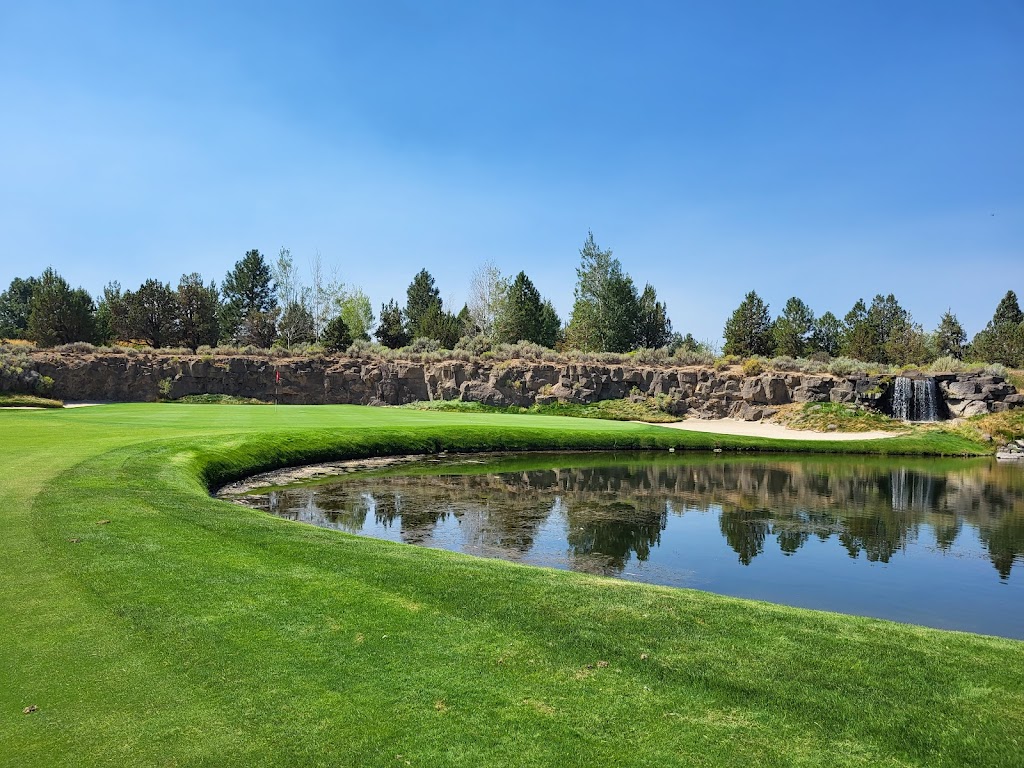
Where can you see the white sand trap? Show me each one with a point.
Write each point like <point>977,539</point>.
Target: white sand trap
<point>767,429</point>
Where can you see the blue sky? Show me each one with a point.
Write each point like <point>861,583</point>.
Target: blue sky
<point>829,150</point>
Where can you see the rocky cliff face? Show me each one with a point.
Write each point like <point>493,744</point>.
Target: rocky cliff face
<point>700,392</point>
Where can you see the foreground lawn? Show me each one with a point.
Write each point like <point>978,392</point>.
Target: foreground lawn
<point>153,625</point>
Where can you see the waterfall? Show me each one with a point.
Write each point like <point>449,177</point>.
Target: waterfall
<point>915,399</point>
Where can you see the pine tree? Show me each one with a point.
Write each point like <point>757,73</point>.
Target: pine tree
<point>420,297</point>
<point>749,330</point>
<point>1008,312</point>
<point>858,339</point>
<point>826,337</point>
<point>550,331</point>
<point>653,328</point>
<point>793,328</point>
<point>950,337</point>
<point>1002,339</point>
<point>337,337</point>
<point>250,300</point>
<point>606,311</point>
<point>391,329</point>
<point>520,315</point>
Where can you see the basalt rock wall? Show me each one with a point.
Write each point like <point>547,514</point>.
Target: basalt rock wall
<point>700,392</point>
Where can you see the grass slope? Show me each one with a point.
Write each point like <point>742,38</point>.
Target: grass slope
<point>153,625</point>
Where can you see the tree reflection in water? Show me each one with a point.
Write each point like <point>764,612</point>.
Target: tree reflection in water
<point>614,512</point>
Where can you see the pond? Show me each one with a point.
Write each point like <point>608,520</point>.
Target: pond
<point>938,542</point>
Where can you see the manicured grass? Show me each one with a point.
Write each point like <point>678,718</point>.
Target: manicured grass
<point>153,625</point>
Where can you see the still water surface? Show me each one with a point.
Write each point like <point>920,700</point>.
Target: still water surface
<point>934,542</point>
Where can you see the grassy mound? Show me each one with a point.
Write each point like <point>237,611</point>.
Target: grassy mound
<point>153,625</point>
<point>648,409</point>
<point>837,417</point>
<point>28,401</point>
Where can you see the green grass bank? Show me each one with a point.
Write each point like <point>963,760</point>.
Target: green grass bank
<point>153,625</point>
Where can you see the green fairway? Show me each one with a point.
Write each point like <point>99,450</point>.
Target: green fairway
<point>153,625</point>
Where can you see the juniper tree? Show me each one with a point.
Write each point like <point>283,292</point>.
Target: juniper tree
<point>59,314</point>
<point>197,311</point>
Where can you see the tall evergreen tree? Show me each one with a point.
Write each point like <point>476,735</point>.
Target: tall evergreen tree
<point>1008,312</point>
<point>421,296</point>
<point>653,328</point>
<point>249,301</point>
<point>391,328</point>
<point>605,313</point>
<point>520,315</point>
<point>15,305</point>
<point>859,340</point>
<point>826,337</point>
<point>58,314</point>
<point>550,330</point>
<point>1002,339</point>
<point>887,320</point>
<point>337,337</point>
<point>792,329</point>
<point>950,337</point>
<point>748,331</point>
<point>441,325</point>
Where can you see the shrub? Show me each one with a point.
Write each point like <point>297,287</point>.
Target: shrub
<point>644,356</point>
<point>44,385</point>
<point>421,344</point>
<point>684,356</point>
<point>164,387</point>
<point>475,345</point>
<point>76,347</point>
<point>997,369</point>
<point>784,363</point>
<point>753,366</point>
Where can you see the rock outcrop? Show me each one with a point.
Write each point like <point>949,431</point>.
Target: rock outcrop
<point>700,392</point>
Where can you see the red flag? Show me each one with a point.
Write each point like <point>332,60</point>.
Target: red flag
<point>277,375</point>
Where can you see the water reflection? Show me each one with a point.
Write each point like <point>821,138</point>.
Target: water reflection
<point>648,518</point>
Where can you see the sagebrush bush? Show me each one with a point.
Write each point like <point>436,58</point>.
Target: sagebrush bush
<point>685,356</point>
<point>76,347</point>
<point>645,356</point>
<point>421,344</point>
<point>475,345</point>
<point>753,366</point>
<point>783,363</point>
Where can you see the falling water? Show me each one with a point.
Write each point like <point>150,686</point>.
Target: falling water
<point>915,399</point>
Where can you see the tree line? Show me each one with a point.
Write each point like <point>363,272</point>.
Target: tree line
<point>263,303</point>
<point>882,332</point>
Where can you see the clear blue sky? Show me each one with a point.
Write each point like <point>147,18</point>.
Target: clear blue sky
<point>829,150</point>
